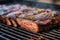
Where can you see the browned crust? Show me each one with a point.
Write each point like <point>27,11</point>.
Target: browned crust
<point>13,22</point>
<point>8,21</point>
<point>3,19</point>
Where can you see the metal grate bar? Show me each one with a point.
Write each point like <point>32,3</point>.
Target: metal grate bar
<point>19,33</point>
<point>8,36</point>
<point>13,31</point>
<point>26,32</point>
<point>55,33</point>
<point>23,31</point>
<point>3,37</point>
<point>6,31</point>
<point>49,35</point>
<point>52,35</point>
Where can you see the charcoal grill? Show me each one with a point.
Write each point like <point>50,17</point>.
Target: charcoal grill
<point>12,33</point>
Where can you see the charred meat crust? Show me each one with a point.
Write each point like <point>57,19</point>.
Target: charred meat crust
<point>3,19</point>
<point>13,22</point>
<point>8,21</point>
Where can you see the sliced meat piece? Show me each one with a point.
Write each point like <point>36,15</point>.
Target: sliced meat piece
<point>13,22</point>
<point>28,24</point>
<point>8,21</point>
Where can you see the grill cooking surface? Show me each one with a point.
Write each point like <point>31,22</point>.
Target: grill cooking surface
<point>16,33</point>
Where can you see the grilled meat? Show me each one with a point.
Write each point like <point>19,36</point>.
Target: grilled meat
<point>8,21</point>
<point>0,18</point>
<point>33,19</point>
<point>28,24</point>
<point>3,19</point>
<point>56,20</point>
<point>53,23</point>
<point>13,22</point>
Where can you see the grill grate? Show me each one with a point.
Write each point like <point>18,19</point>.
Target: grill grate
<point>16,33</point>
